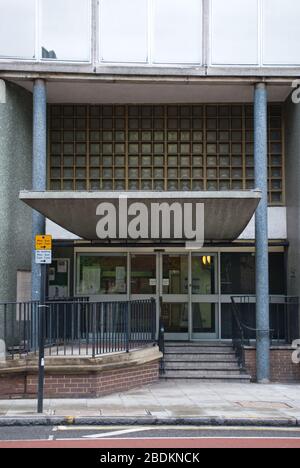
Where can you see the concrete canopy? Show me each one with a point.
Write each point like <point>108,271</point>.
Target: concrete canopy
<point>226,213</point>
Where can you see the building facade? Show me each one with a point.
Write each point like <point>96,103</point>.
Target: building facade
<point>162,100</point>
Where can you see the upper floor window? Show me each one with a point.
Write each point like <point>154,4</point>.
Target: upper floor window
<point>177,31</point>
<point>281,40</point>
<point>17,29</point>
<point>124,30</point>
<point>151,31</point>
<point>234,32</point>
<point>65,30</point>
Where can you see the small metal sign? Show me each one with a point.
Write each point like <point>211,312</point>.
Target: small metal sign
<point>43,257</point>
<point>43,242</point>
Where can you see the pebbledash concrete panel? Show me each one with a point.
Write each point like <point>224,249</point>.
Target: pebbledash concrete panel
<point>15,173</point>
<point>226,214</point>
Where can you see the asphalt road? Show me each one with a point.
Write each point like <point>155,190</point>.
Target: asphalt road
<point>147,436</point>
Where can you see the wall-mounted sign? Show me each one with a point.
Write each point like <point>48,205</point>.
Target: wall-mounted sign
<point>43,249</point>
<point>43,257</point>
<point>43,242</point>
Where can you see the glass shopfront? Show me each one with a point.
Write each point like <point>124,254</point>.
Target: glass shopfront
<point>192,290</point>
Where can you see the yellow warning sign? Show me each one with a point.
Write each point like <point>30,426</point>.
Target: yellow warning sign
<point>43,242</point>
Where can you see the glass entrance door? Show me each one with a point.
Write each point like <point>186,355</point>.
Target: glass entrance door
<point>174,286</point>
<point>143,276</point>
<point>184,285</point>
<point>204,297</point>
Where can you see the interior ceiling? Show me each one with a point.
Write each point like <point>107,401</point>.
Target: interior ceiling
<point>118,93</point>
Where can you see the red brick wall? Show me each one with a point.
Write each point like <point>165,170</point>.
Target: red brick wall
<point>79,385</point>
<point>282,369</point>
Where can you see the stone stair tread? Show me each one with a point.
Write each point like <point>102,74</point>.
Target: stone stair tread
<point>202,361</point>
<point>220,378</point>
<point>199,372</point>
<point>197,343</point>
<point>205,365</point>
<point>187,356</point>
<point>202,353</point>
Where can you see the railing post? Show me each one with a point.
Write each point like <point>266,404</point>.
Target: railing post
<point>161,346</point>
<point>93,328</point>
<point>42,317</point>
<point>153,319</point>
<point>41,374</point>
<point>128,325</point>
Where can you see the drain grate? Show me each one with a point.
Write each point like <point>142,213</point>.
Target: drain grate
<point>263,404</point>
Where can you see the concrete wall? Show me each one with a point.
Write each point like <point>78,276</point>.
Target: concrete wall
<point>15,174</point>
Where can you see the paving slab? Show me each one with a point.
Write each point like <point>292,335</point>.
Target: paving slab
<point>185,402</point>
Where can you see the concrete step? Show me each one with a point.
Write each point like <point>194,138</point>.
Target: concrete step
<point>200,357</point>
<point>198,343</point>
<point>198,352</point>
<point>242,378</point>
<point>198,349</point>
<point>200,373</point>
<point>202,365</point>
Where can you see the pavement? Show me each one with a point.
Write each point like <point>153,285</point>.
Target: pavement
<point>187,402</point>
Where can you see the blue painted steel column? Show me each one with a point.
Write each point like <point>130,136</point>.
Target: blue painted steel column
<point>39,165</point>
<point>261,234</point>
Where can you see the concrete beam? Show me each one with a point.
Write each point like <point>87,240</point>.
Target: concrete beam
<point>142,75</point>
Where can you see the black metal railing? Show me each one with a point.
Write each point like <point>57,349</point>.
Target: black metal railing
<point>238,335</point>
<point>161,345</point>
<point>283,325</point>
<point>78,327</point>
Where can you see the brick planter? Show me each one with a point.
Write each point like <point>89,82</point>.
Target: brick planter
<point>282,369</point>
<point>82,377</point>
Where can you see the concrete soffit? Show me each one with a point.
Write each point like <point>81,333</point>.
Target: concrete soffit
<point>226,214</point>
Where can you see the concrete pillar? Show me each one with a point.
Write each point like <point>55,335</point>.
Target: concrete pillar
<point>39,170</point>
<point>261,234</point>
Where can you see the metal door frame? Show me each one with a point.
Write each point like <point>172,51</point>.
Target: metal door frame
<point>175,298</point>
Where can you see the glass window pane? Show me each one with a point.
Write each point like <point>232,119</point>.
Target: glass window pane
<point>65,30</point>
<point>123,30</point>
<point>226,31</point>
<point>204,318</point>
<point>175,274</point>
<point>101,274</point>
<point>143,274</point>
<point>17,29</point>
<point>237,273</point>
<point>203,274</point>
<point>175,317</point>
<point>177,31</point>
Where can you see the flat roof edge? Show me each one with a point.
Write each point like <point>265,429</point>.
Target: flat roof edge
<point>43,195</point>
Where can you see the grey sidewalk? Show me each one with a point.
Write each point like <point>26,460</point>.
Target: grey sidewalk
<point>169,402</point>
